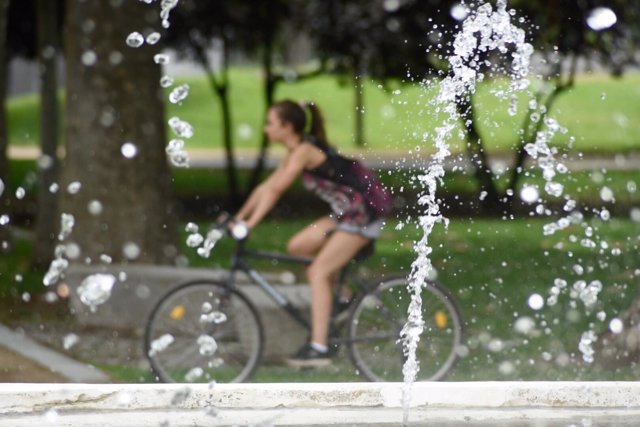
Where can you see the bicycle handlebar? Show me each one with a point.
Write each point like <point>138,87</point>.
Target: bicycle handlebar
<point>224,225</point>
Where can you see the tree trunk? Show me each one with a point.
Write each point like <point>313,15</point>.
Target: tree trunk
<point>530,130</point>
<point>359,109</point>
<point>5,197</point>
<point>490,199</point>
<point>270,83</point>
<point>124,207</point>
<point>221,90</point>
<point>48,46</point>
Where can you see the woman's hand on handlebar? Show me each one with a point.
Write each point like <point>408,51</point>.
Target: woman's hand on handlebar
<point>237,228</point>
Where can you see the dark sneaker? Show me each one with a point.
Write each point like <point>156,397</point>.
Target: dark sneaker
<point>308,356</point>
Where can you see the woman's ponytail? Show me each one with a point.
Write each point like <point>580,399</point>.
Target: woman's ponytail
<point>315,123</point>
<point>305,118</point>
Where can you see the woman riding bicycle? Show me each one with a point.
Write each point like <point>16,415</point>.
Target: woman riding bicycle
<point>357,201</point>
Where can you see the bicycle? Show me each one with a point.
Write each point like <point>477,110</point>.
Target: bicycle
<point>207,330</point>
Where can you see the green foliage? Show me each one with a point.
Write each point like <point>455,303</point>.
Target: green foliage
<point>597,112</point>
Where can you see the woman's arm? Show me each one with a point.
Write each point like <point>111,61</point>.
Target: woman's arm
<point>265,196</point>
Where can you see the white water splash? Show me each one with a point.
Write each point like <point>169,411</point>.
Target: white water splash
<point>160,344</point>
<point>96,289</point>
<point>484,30</point>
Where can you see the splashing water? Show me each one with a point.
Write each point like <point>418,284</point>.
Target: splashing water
<point>179,93</point>
<point>96,289</point>
<point>484,30</point>
<point>135,39</point>
<point>60,264</point>
<point>207,345</point>
<point>160,344</point>
<point>181,128</point>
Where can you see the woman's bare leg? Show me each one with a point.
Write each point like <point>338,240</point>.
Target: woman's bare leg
<point>338,250</point>
<point>310,239</point>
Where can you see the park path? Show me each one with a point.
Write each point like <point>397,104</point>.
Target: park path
<point>382,159</point>
<point>23,360</point>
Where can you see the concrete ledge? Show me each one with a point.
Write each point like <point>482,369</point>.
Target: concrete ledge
<point>54,361</point>
<point>22,398</point>
<point>140,287</point>
<point>548,404</point>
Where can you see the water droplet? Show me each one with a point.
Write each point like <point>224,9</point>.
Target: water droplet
<point>70,340</point>
<point>459,12</point>
<point>161,58</point>
<point>135,39</point>
<point>207,345</point>
<point>554,188</point>
<point>180,127</point>
<point>20,193</point>
<point>166,81</point>
<point>524,325</point>
<point>529,194</point>
<point>4,219</point>
<point>194,240</point>
<point>213,317</point>
<point>89,58</point>
<point>535,301</point>
<point>194,374</point>
<point>67,221</point>
<point>153,38</point>
<point>96,289</point>
<point>601,18</point>
<point>160,344</point>
<point>131,250</point>
<point>244,131</point>
<point>179,93</point>
<point>115,57</point>
<point>606,194</point>
<point>616,325</point>
<point>1,187</point>
<point>506,368</point>
<point>74,187</point>
<point>45,162</point>
<point>72,250</point>
<point>129,150</point>
<point>95,207</point>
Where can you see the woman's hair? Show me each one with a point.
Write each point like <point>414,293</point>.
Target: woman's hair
<point>305,118</point>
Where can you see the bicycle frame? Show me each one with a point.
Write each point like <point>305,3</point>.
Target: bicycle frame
<point>238,262</point>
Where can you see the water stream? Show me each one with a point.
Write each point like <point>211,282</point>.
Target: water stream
<point>485,29</point>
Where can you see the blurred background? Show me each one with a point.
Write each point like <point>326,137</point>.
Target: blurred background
<point>136,117</point>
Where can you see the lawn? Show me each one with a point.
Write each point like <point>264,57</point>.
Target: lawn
<point>598,112</point>
<point>492,267</point>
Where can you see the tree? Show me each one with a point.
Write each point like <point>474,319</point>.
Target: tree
<point>49,31</point>
<point>197,27</point>
<point>123,208</point>
<point>5,235</point>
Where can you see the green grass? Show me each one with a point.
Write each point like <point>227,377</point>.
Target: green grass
<point>491,267</point>
<point>393,121</point>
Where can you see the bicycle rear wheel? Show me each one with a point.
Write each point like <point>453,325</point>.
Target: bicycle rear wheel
<point>203,332</point>
<point>378,317</point>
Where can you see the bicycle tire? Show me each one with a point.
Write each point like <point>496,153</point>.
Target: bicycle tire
<point>375,323</point>
<point>203,331</point>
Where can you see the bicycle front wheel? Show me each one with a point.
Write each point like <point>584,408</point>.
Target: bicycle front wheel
<point>203,332</point>
<point>375,345</point>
